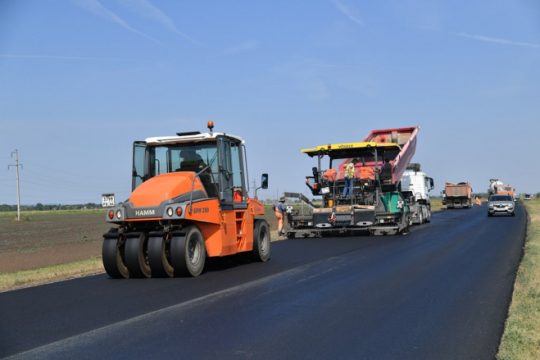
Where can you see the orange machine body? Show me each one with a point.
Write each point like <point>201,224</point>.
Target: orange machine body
<point>226,232</point>
<point>505,190</point>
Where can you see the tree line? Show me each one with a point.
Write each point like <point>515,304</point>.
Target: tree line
<point>43,207</point>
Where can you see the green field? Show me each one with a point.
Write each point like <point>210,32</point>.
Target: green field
<point>521,339</point>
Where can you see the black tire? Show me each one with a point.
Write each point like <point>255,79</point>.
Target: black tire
<point>112,254</point>
<point>490,215</point>
<point>188,252</point>
<point>421,217</point>
<point>159,257</point>
<point>428,218</point>
<point>407,222</point>
<point>261,241</point>
<point>136,256</point>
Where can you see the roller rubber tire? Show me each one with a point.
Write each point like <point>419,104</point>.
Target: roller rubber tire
<point>261,241</point>
<point>136,257</point>
<point>113,258</point>
<point>188,253</point>
<point>159,257</point>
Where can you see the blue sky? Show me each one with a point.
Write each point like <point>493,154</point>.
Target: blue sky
<point>80,80</point>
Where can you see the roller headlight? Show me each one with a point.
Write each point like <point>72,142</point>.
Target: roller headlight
<point>119,214</point>
<point>170,212</point>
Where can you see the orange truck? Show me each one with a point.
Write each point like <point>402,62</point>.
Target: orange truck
<point>189,201</point>
<point>497,187</point>
<point>457,195</point>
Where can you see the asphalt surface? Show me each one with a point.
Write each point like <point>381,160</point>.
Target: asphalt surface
<point>441,292</point>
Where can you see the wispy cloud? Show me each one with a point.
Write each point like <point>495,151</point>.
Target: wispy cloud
<point>498,40</point>
<point>305,76</point>
<point>95,7</point>
<point>58,57</point>
<point>146,9</point>
<point>242,47</point>
<point>348,12</point>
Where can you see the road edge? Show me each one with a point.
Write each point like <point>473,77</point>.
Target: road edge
<point>517,341</point>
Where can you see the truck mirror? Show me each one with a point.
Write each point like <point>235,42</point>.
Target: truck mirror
<point>264,181</point>
<point>432,183</point>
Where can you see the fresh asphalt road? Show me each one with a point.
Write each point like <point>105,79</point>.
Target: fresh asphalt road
<point>441,292</point>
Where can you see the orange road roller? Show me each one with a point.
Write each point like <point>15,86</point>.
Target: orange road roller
<point>189,202</point>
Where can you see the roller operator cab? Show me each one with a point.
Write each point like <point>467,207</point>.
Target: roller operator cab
<point>189,201</point>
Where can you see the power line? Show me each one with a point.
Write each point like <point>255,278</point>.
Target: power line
<point>17,165</point>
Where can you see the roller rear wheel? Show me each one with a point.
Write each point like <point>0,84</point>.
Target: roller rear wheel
<point>261,241</point>
<point>112,254</point>
<point>159,257</point>
<point>188,252</point>
<point>136,257</point>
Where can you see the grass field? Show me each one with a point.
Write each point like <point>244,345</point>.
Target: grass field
<point>13,280</point>
<point>436,204</point>
<point>521,338</point>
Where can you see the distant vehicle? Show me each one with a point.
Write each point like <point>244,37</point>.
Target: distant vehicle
<point>527,197</point>
<point>496,186</point>
<point>415,186</point>
<point>501,204</point>
<point>457,195</point>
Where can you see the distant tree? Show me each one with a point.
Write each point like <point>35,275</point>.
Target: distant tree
<point>39,207</point>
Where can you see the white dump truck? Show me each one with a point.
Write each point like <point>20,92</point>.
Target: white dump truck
<point>415,187</point>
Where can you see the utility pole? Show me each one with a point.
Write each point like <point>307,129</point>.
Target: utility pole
<point>17,165</point>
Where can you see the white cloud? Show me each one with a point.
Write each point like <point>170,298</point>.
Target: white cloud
<point>498,40</point>
<point>146,9</point>
<point>95,7</point>
<point>348,12</point>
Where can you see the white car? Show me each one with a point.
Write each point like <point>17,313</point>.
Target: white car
<point>501,204</point>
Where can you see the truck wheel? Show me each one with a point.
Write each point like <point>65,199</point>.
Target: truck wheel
<point>112,254</point>
<point>159,257</point>
<point>261,241</point>
<point>188,253</point>
<point>136,256</point>
<point>428,217</point>
<point>421,218</point>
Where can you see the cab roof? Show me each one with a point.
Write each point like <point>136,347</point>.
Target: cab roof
<point>190,137</point>
<point>344,148</point>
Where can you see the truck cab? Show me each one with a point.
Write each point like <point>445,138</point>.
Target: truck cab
<point>415,186</point>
